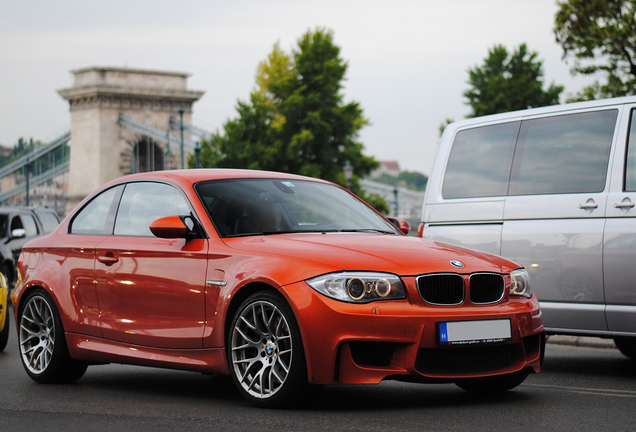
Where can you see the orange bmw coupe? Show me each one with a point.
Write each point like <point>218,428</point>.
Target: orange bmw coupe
<point>284,282</point>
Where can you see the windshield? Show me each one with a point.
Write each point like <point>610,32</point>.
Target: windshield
<point>267,206</point>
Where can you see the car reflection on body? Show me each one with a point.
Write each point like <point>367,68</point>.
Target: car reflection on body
<point>284,282</point>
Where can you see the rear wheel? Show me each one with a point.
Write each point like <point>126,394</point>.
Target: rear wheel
<point>43,347</point>
<point>265,352</point>
<point>493,385</point>
<point>627,346</point>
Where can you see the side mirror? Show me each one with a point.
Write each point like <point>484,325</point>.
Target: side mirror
<point>169,227</point>
<point>401,224</point>
<point>18,233</point>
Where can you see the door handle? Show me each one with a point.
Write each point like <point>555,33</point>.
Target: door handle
<point>624,205</point>
<point>107,259</point>
<point>588,206</point>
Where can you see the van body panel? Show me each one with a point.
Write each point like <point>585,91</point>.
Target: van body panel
<point>484,237</point>
<point>466,211</point>
<point>567,317</point>
<point>620,319</point>
<point>562,256</point>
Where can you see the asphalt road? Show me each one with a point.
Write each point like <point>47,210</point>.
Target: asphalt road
<point>580,389</point>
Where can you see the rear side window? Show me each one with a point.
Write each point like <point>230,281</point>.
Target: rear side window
<point>563,154</point>
<point>97,217</point>
<point>479,163</point>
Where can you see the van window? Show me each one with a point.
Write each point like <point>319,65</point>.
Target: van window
<point>479,163</point>
<point>630,166</point>
<point>563,154</point>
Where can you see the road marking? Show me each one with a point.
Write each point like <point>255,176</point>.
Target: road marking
<point>586,390</point>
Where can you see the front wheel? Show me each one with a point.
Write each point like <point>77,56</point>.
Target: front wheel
<point>43,347</point>
<point>492,385</point>
<point>627,346</point>
<point>265,352</point>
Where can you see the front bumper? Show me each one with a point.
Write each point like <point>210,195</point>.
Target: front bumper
<point>367,343</point>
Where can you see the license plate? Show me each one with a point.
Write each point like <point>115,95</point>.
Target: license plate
<point>474,332</point>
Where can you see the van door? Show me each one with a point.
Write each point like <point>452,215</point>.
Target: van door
<point>554,214</point>
<point>466,207</point>
<point>619,246</point>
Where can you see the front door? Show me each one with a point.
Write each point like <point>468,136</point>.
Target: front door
<point>151,290</point>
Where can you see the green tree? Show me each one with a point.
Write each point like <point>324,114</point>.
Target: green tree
<point>296,120</point>
<point>508,83</point>
<point>601,37</point>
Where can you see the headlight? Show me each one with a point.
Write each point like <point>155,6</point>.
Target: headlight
<point>520,283</point>
<point>359,287</point>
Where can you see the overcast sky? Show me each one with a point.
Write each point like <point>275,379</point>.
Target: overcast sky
<point>408,60</point>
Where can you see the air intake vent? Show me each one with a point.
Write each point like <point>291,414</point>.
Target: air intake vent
<point>464,361</point>
<point>486,288</point>
<point>441,289</point>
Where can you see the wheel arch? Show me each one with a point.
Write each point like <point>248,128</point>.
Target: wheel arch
<point>252,288</point>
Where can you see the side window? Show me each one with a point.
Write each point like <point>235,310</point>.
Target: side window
<point>479,162</point>
<point>144,202</point>
<point>630,166</point>
<point>563,154</point>
<point>29,225</point>
<point>97,216</point>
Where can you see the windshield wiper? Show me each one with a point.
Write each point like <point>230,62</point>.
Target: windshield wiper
<point>366,230</point>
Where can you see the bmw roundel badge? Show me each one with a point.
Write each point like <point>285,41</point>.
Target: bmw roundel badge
<point>457,264</point>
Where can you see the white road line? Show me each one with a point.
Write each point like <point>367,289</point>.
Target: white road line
<point>586,390</point>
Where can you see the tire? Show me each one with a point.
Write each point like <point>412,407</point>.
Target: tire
<point>4,334</point>
<point>265,353</point>
<point>627,346</point>
<point>43,349</point>
<point>493,385</point>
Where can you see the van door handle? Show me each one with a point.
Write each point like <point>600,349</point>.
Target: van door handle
<point>589,205</point>
<point>624,205</point>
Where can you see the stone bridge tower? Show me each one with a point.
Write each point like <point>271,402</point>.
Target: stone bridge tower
<point>102,147</point>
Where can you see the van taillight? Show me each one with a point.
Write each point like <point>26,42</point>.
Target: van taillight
<point>420,230</point>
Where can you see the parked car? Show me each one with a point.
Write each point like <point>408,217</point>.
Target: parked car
<point>282,281</point>
<point>18,225</point>
<point>554,189</point>
<point>5,321</point>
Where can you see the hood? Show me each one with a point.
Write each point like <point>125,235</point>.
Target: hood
<point>405,256</point>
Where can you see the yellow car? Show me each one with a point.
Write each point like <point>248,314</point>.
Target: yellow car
<point>4,312</point>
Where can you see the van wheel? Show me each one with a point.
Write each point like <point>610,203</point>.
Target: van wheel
<point>265,352</point>
<point>493,385</point>
<point>627,346</point>
<point>43,347</point>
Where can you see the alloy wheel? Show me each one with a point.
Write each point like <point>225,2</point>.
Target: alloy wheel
<point>261,349</point>
<point>37,334</point>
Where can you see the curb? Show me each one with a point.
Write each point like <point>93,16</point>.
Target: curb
<point>584,341</point>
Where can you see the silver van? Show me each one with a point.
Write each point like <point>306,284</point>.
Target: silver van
<point>554,189</point>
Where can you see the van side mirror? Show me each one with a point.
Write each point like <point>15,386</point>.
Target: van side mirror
<point>169,227</point>
<point>401,224</point>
